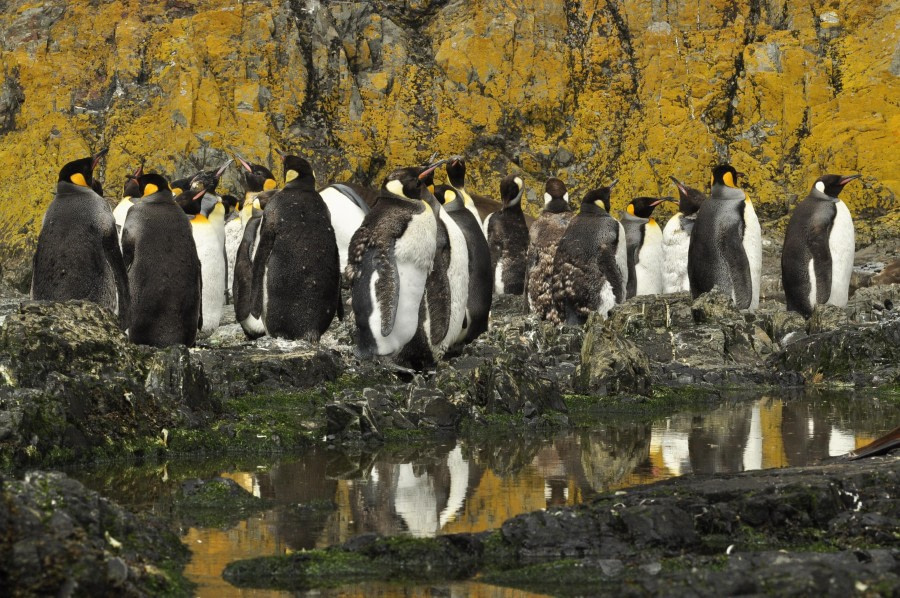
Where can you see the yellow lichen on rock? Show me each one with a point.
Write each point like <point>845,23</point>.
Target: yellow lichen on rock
<point>585,91</point>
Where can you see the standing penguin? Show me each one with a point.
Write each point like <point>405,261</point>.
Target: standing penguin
<point>645,251</point>
<point>819,246</point>
<point>163,268</point>
<point>78,254</point>
<point>389,259</point>
<point>507,235</point>
<point>544,236</point>
<point>590,268</point>
<point>257,179</point>
<point>129,194</point>
<point>348,205</point>
<point>480,272</point>
<point>726,243</point>
<point>479,205</point>
<point>296,281</point>
<point>677,238</point>
<point>208,231</point>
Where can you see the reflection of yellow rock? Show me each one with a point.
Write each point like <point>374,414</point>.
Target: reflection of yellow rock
<point>631,89</point>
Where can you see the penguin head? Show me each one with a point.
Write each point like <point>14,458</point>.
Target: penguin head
<point>689,199</point>
<point>456,172</point>
<point>257,177</point>
<point>298,171</point>
<point>725,174</point>
<point>446,194</point>
<point>209,179</point>
<point>411,182</point>
<point>511,189</point>
<point>190,201</point>
<point>231,205</point>
<point>642,207</point>
<point>556,196</point>
<point>179,185</point>
<point>832,184</point>
<point>599,197</point>
<point>81,172</point>
<point>151,183</point>
<point>132,186</point>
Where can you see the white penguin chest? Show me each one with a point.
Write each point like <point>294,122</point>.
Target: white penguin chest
<point>842,246</point>
<point>648,268</point>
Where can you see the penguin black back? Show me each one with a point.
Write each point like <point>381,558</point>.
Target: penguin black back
<point>296,277</point>
<point>507,234</point>
<point>77,255</point>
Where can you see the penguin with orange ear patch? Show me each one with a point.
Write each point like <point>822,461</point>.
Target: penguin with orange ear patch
<point>78,253</point>
<point>726,243</point>
<point>163,268</point>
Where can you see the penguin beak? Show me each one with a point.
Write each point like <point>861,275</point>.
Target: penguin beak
<point>431,168</point>
<point>199,195</point>
<point>139,171</point>
<point>97,157</point>
<point>849,178</point>
<point>661,200</point>
<point>223,167</point>
<point>681,188</point>
<point>244,163</point>
<point>612,184</point>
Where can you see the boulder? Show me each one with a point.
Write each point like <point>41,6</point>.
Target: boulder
<point>609,363</point>
<point>60,538</point>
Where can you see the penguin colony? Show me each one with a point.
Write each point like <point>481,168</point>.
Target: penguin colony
<point>420,262</point>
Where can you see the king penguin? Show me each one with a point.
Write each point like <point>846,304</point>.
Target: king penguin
<point>645,250</point>
<point>129,194</point>
<point>348,205</point>
<point>726,243</point>
<point>207,229</point>
<point>163,268</point>
<point>677,238</point>
<point>257,179</point>
<point>78,255</point>
<point>544,237</point>
<point>480,273</point>
<point>590,268</point>
<point>296,281</point>
<point>819,246</point>
<point>507,236</point>
<point>479,205</point>
<point>388,262</point>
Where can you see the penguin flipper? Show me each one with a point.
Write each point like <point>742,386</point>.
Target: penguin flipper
<point>739,269</point>
<point>260,261</point>
<point>387,289</point>
<point>117,263</point>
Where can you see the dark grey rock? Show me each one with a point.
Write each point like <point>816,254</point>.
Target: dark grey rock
<point>610,364</point>
<point>826,318</point>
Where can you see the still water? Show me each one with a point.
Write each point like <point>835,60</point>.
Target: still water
<point>324,497</point>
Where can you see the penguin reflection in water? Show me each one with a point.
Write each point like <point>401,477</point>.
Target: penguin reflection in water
<point>590,270</point>
<point>726,244</point>
<point>163,268</point>
<point>296,283</point>
<point>819,246</point>
<point>78,254</point>
<point>389,259</point>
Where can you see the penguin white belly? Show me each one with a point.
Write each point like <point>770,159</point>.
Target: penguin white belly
<point>120,213</point>
<point>486,225</point>
<point>676,242</point>
<point>842,245</point>
<point>458,276</point>
<point>648,268</point>
<point>812,284</point>
<point>346,217</point>
<point>622,258</point>
<point>607,299</point>
<point>752,243</point>
<point>498,278</point>
<point>212,269</point>
<point>234,232</point>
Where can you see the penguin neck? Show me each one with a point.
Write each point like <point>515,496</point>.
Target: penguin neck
<point>632,219</point>
<point>822,196</point>
<point>591,208</point>
<point>303,183</point>
<point>725,192</point>
<point>67,188</point>
<point>162,196</point>
<point>197,219</point>
<point>514,205</point>
<point>557,205</point>
<point>456,205</point>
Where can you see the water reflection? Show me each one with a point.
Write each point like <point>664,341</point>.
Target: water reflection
<point>325,497</point>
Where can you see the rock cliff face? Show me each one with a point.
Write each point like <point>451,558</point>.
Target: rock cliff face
<point>586,91</point>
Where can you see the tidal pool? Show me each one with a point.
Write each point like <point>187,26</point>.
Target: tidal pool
<point>470,484</point>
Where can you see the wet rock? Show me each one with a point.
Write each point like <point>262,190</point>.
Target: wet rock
<point>786,326</point>
<point>72,382</point>
<point>826,318</point>
<point>864,355</point>
<point>713,307</point>
<point>217,502</point>
<point>610,364</point>
<point>351,422</point>
<point>874,303</point>
<point>60,537</point>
